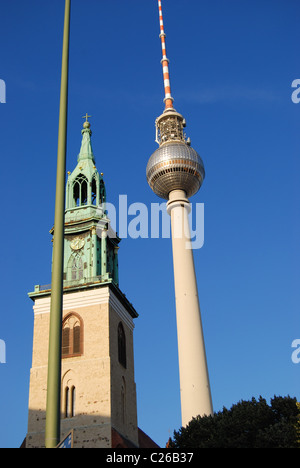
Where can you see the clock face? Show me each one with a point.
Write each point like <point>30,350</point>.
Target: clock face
<point>77,243</point>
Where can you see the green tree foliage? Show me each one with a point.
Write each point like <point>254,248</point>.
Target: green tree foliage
<point>248,424</point>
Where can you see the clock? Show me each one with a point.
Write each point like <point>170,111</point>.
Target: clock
<point>77,243</point>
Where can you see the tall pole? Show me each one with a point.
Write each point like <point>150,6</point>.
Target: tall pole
<point>52,435</point>
<point>195,391</point>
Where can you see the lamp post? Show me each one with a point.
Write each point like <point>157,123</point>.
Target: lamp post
<point>52,434</point>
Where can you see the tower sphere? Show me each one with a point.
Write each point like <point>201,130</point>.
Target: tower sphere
<point>175,166</point>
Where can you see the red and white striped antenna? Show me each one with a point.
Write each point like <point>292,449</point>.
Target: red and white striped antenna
<point>165,62</point>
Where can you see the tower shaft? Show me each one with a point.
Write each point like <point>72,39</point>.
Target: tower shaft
<point>194,380</point>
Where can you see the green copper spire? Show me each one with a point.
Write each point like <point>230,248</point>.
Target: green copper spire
<point>85,186</point>
<point>89,254</point>
<point>86,151</point>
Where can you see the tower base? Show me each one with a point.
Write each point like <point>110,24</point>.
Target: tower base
<point>98,393</point>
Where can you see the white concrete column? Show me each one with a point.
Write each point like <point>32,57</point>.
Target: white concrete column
<point>194,379</point>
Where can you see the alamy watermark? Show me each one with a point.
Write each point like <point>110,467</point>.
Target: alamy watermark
<point>296,94</point>
<point>296,354</point>
<point>2,352</point>
<point>137,221</point>
<point>2,92</point>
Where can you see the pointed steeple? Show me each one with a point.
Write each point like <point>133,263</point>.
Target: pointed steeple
<point>86,151</point>
<point>85,186</point>
<point>90,254</point>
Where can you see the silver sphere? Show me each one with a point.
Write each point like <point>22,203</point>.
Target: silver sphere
<point>175,166</point>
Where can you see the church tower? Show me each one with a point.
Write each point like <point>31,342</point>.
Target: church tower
<point>98,394</point>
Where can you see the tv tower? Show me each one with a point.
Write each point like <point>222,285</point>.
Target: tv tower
<point>175,172</point>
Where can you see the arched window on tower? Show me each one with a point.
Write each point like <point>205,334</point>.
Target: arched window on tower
<point>121,345</point>
<point>84,193</point>
<point>77,268</point>
<point>66,341</point>
<point>94,192</point>
<point>76,339</point>
<point>73,401</point>
<point>66,402</point>
<point>80,190</point>
<point>69,390</point>
<point>102,197</point>
<point>69,402</point>
<point>72,336</point>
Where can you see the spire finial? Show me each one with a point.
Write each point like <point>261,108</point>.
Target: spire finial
<point>86,124</point>
<point>86,151</point>
<point>165,62</point>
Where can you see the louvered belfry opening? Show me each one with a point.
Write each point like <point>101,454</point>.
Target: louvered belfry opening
<point>65,341</point>
<point>72,336</point>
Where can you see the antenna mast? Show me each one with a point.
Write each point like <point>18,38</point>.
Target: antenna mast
<point>165,62</point>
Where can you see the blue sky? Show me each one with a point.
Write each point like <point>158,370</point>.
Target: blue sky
<point>231,65</point>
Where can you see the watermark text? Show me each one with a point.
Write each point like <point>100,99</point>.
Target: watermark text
<point>137,221</point>
<point>2,352</point>
<point>296,94</point>
<point>296,353</point>
<point>2,92</point>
